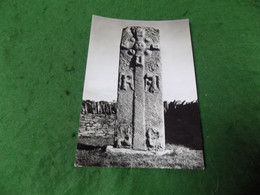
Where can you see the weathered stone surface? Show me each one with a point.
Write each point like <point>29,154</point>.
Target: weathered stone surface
<point>96,125</point>
<point>140,123</point>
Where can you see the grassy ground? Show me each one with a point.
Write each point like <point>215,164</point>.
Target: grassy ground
<point>180,158</point>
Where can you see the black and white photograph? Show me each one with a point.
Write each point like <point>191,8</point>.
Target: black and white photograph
<point>140,105</point>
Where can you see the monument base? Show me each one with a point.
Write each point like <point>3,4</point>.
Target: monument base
<point>111,149</point>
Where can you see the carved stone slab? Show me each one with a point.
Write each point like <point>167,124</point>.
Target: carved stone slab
<point>140,122</point>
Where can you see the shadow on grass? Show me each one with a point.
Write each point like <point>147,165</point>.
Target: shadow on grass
<point>90,147</point>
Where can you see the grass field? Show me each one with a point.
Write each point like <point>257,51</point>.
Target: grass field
<point>180,158</point>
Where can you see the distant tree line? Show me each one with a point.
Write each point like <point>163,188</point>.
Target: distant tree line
<point>105,107</point>
<point>98,107</point>
<point>182,124</point>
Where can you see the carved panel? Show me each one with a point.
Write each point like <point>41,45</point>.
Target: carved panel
<point>151,82</point>
<point>123,136</point>
<point>152,139</point>
<point>126,81</point>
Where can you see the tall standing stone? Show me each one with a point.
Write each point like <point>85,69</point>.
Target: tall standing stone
<point>140,122</point>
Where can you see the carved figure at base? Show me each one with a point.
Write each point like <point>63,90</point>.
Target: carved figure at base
<point>123,137</point>
<point>152,137</point>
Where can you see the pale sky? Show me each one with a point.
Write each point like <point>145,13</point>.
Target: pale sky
<point>178,76</point>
